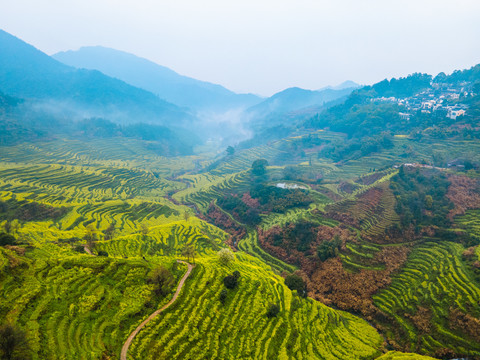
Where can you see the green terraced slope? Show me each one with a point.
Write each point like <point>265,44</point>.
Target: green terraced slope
<point>205,328</point>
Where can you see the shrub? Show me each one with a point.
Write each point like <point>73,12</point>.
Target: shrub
<point>7,239</point>
<point>273,310</point>
<point>225,256</point>
<point>223,296</point>
<point>231,281</point>
<point>163,280</point>
<point>102,253</point>
<point>79,248</point>
<point>295,282</point>
<point>328,249</point>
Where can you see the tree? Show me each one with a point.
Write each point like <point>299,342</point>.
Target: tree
<point>230,151</point>
<point>144,230</point>
<point>189,252</point>
<point>328,249</point>
<point>290,173</point>
<point>223,296</point>
<point>273,310</point>
<point>428,202</point>
<point>13,343</point>
<point>163,280</point>
<point>186,215</point>
<point>231,281</point>
<point>295,282</point>
<point>7,239</point>
<point>90,236</point>
<point>7,227</point>
<point>259,167</point>
<point>225,256</point>
<point>109,232</point>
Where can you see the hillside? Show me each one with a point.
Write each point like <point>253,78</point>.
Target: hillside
<point>160,80</point>
<point>22,121</point>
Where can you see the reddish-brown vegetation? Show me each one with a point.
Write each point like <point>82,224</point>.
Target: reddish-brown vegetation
<point>353,212</point>
<point>464,192</point>
<point>225,222</point>
<point>331,284</point>
<point>422,319</point>
<point>347,187</point>
<point>297,243</point>
<point>19,250</point>
<point>465,323</point>
<point>328,281</point>
<point>249,201</point>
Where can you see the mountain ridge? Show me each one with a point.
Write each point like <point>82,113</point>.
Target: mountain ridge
<point>160,80</point>
<point>29,73</point>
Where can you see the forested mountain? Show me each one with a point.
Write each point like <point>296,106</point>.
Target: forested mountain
<point>296,98</point>
<point>292,104</point>
<point>28,73</point>
<point>160,80</point>
<point>24,122</point>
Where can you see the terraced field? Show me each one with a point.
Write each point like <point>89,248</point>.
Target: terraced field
<point>360,256</point>
<point>77,306</point>
<point>167,240</point>
<point>243,160</point>
<point>84,183</point>
<point>115,152</point>
<point>470,222</point>
<point>205,328</point>
<point>206,188</point>
<point>405,150</point>
<point>434,285</point>
<point>250,245</point>
<point>371,208</point>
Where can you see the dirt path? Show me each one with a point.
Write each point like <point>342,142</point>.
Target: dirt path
<point>125,347</point>
<point>88,251</point>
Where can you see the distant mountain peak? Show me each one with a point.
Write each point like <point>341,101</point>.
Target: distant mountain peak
<point>348,84</point>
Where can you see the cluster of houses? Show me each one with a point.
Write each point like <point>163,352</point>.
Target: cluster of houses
<point>435,100</point>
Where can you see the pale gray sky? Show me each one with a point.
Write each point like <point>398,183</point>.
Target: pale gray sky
<point>263,46</point>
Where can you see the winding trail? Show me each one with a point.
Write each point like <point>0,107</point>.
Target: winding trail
<point>125,347</point>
